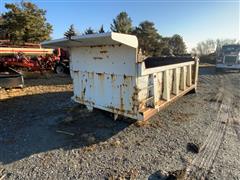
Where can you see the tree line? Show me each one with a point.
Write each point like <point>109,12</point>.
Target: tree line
<point>25,22</point>
<point>150,41</point>
<point>211,46</point>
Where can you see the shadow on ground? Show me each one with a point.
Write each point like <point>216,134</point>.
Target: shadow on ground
<point>34,124</point>
<point>48,79</point>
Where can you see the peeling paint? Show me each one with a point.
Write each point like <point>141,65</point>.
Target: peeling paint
<point>116,84</point>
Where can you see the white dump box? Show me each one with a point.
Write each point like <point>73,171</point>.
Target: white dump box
<point>109,74</point>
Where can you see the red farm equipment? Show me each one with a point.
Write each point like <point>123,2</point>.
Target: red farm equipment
<point>30,57</point>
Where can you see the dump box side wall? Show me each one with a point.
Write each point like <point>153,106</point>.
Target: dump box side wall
<point>105,77</point>
<point>160,85</point>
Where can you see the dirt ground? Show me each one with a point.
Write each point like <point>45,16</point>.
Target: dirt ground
<point>40,140</point>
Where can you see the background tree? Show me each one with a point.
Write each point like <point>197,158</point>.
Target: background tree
<point>210,46</point>
<point>122,23</point>
<point>206,47</point>
<point>148,38</point>
<point>25,22</point>
<point>89,31</point>
<point>220,42</point>
<point>177,45</point>
<point>101,30</point>
<point>3,33</point>
<point>165,47</point>
<point>70,32</point>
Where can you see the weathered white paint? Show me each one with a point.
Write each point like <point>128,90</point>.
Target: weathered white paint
<point>189,75</point>
<point>183,78</point>
<point>109,38</point>
<point>166,88</point>
<point>143,71</point>
<point>176,81</point>
<point>106,75</point>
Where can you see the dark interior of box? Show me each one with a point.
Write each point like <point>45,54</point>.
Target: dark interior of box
<point>152,62</point>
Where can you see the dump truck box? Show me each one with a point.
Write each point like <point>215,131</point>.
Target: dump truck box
<point>109,74</point>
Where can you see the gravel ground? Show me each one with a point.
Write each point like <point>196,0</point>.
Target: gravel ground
<point>43,135</point>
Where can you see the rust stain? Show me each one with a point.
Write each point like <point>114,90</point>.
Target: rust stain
<point>85,101</point>
<point>103,52</point>
<point>130,112</point>
<point>121,104</point>
<point>113,77</point>
<point>98,46</point>
<point>101,79</point>
<point>120,111</point>
<point>95,58</point>
<point>100,76</point>
<point>83,92</point>
<point>121,99</point>
<point>90,75</point>
<point>135,105</point>
<point>117,110</point>
<point>101,46</point>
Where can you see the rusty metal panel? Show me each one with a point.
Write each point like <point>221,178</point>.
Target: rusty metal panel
<point>109,91</point>
<point>130,90</point>
<point>107,75</point>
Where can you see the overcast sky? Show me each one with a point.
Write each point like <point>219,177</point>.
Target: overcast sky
<point>195,21</point>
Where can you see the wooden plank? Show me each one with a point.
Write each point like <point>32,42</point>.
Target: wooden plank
<point>166,89</point>
<point>176,81</point>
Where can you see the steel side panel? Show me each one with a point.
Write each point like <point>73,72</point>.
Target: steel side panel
<point>115,59</point>
<point>106,90</point>
<point>105,77</point>
<point>171,78</point>
<point>144,88</point>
